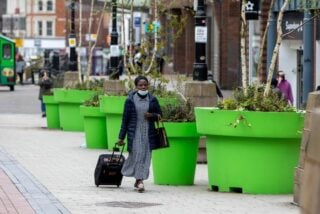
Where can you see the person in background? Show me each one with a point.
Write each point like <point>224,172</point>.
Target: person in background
<point>45,83</point>
<point>20,66</point>
<point>219,92</point>
<point>274,84</point>
<point>285,87</point>
<point>141,110</point>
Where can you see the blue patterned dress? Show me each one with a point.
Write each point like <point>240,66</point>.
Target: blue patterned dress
<point>138,162</point>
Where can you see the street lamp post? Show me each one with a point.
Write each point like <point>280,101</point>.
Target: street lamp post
<point>72,40</point>
<point>200,70</point>
<point>114,48</point>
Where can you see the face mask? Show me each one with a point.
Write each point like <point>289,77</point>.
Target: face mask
<point>142,93</point>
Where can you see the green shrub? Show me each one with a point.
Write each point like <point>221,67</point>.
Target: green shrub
<point>256,101</point>
<point>181,111</point>
<point>95,85</point>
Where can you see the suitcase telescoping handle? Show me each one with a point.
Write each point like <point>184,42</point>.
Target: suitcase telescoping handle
<point>116,149</point>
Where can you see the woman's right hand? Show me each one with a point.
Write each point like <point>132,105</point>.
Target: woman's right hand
<point>121,142</point>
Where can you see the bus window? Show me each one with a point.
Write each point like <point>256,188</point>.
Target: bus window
<point>6,51</point>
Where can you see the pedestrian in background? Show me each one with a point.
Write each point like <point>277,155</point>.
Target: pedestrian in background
<point>141,110</point>
<point>45,83</point>
<point>275,89</point>
<point>285,87</point>
<point>20,66</point>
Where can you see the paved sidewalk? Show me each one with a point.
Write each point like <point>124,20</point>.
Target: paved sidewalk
<point>53,162</point>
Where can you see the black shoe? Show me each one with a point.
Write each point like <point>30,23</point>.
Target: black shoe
<point>139,186</point>
<point>44,115</point>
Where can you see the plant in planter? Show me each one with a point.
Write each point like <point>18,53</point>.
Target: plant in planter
<point>94,123</point>
<point>176,165</point>
<point>70,99</point>
<point>252,142</point>
<point>253,139</point>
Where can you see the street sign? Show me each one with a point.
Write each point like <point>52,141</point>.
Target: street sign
<point>19,42</point>
<point>114,50</point>
<point>201,34</point>
<point>252,9</point>
<point>137,21</point>
<point>37,42</point>
<point>72,42</point>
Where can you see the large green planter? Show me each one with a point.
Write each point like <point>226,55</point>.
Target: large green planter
<point>257,156</point>
<point>69,107</point>
<point>176,165</point>
<point>113,106</point>
<point>52,112</point>
<point>94,127</point>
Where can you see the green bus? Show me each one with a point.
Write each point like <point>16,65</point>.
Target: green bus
<point>7,62</point>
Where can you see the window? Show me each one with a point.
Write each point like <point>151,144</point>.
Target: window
<point>39,28</point>
<point>49,5</point>
<point>40,5</point>
<point>49,28</point>
<point>6,51</point>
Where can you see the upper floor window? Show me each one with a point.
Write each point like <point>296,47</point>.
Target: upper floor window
<point>49,5</point>
<point>49,28</point>
<point>39,28</point>
<point>40,5</point>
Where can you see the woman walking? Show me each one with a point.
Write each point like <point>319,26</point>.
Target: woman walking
<point>141,110</point>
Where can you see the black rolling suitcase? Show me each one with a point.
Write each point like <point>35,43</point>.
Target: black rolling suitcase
<point>108,169</point>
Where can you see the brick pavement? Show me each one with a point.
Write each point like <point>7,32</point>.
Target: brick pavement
<point>57,164</point>
<point>12,201</point>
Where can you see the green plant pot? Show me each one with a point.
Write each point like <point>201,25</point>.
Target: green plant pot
<point>176,165</point>
<point>94,127</point>
<point>258,156</point>
<point>52,112</point>
<point>112,106</point>
<point>69,107</point>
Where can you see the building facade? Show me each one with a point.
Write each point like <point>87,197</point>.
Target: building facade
<point>222,42</point>
<point>299,55</point>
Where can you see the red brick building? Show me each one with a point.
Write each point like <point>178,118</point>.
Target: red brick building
<point>223,42</point>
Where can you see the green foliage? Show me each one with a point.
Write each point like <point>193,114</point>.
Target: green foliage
<point>95,85</point>
<point>256,101</point>
<point>181,111</point>
<point>94,101</point>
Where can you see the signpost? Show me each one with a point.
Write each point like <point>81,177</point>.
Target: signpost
<point>200,70</point>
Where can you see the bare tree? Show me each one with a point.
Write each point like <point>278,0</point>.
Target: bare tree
<point>243,48</point>
<point>276,48</point>
<point>80,40</point>
<point>92,46</point>
<point>264,38</point>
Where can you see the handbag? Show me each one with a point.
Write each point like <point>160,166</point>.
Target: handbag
<point>161,135</point>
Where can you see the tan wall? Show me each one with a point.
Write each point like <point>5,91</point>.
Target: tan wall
<point>307,174</point>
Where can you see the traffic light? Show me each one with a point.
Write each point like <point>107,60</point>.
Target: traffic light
<point>151,27</point>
